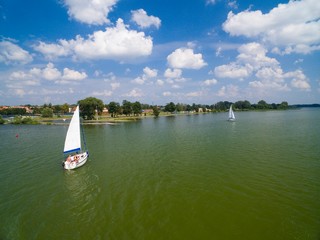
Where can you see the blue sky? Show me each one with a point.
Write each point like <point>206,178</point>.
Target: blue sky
<point>155,52</point>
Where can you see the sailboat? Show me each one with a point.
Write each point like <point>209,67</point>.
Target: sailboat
<point>72,145</point>
<point>231,114</point>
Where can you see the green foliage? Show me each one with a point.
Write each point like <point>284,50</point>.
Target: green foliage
<point>156,111</point>
<point>136,108</point>
<point>127,107</point>
<point>114,109</point>
<point>13,111</point>
<point>47,112</point>
<point>2,121</point>
<point>24,120</point>
<point>88,107</point>
<point>170,107</point>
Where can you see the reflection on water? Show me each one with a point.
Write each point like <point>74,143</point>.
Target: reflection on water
<point>180,177</point>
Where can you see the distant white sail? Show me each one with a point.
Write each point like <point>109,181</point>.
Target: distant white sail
<point>231,114</point>
<point>73,138</point>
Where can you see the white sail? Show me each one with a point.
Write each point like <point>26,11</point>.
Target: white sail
<point>73,138</point>
<point>231,114</point>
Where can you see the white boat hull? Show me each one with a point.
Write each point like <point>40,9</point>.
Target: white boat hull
<point>75,161</point>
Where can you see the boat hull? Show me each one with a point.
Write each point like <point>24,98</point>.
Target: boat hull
<point>75,161</point>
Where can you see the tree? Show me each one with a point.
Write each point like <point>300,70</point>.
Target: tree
<point>136,108</point>
<point>126,107</point>
<point>113,108</point>
<point>284,105</point>
<point>170,107</point>
<point>156,111</point>
<point>262,105</point>
<point>47,112</point>
<point>2,121</point>
<point>88,107</point>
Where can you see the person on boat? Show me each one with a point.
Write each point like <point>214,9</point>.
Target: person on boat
<point>69,158</point>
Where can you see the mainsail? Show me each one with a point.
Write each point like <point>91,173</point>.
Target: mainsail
<point>231,114</point>
<point>73,138</point>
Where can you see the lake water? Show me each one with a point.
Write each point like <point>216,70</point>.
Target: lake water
<point>180,177</point>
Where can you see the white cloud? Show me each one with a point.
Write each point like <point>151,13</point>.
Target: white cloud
<point>185,58</point>
<point>172,73</point>
<point>254,54</point>
<point>160,82</point>
<point>275,79</point>
<point>115,85</point>
<point>299,80</point>
<point>209,82</point>
<point>232,70</point>
<point>91,12</point>
<point>166,94</point>
<point>150,73</point>
<point>141,18</point>
<point>252,61</point>
<point>147,74</point>
<point>104,93</point>
<point>117,43</point>
<point>294,27</point>
<point>251,58</point>
<point>12,54</point>
<point>35,75</point>
<point>49,73</point>
<point>53,51</point>
<point>229,91</point>
<point>70,75</point>
<point>136,92</point>
<point>194,94</point>
<point>139,80</point>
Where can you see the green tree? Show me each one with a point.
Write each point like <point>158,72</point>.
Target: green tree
<point>126,107</point>
<point>170,107</point>
<point>2,121</point>
<point>89,106</point>
<point>47,112</point>
<point>113,108</point>
<point>65,108</point>
<point>156,111</point>
<point>284,105</point>
<point>262,105</point>
<point>136,108</point>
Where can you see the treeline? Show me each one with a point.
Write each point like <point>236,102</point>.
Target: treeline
<point>90,107</point>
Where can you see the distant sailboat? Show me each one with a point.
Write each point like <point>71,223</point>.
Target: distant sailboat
<point>73,144</point>
<point>231,114</point>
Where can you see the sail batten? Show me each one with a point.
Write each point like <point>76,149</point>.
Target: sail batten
<point>73,138</point>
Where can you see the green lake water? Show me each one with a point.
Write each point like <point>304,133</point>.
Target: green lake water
<point>179,177</point>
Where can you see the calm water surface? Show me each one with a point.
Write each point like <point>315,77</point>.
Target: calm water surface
<point>182,177</point>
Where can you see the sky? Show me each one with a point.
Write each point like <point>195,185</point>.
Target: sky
<point>159,51</point>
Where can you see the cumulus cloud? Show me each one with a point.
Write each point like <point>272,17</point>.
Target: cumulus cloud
<point>115,85</point>
<point>185,58</point>
<point>173,73</point>
<point>233,70</point>
<point>53,51</point>
<point>90,12</point>
<point>117,43</point>
<point>252,61</point>
<point>35,75</point>
<point>251,57</point>
<point>136,92</point>
<point>13,54</point>
<point>104,93</point>
<point>229,91</point>
<point>209,82</point>
<point>148,73</point>
<point>141,18</point>
<point>291,27</point>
